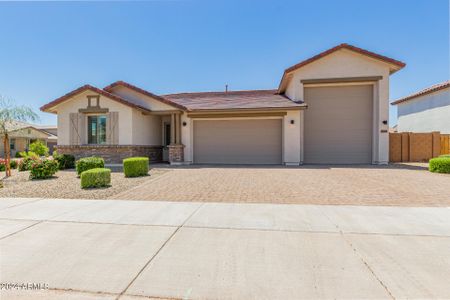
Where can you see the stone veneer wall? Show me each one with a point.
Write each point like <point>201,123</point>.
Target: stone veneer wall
<point>113,154</point>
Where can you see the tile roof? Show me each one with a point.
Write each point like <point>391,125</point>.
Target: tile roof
<point>110,87</point>
<point>233,100</point>
<point>15,126</point>
<point>428,90</point>
<point>86,87</point>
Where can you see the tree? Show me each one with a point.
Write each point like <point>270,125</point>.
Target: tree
<point>10,113</point>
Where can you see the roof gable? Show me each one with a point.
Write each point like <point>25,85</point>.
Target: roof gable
<point>49,106</point>
<point>395,65</point>
<point>110,88</point>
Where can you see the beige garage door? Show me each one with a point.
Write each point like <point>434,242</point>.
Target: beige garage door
<point>237,141</point>
<point>338,125</point>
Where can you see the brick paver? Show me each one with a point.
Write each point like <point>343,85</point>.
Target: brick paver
<point>356,185</point>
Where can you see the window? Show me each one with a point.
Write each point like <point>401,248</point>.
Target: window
<point>96,129</point>
<point>12,144</point>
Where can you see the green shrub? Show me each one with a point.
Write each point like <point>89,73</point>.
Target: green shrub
<point>93,178</point>
<point>445,155</point>
<point>135,166</point>
<point>20,154</point>
<point>25,163</point>
<point>87,163</point>
<point>13,164</point>
<point>43,168</point>
<point>440,165</point>
<point>65,161</point>
<point>39,148</point>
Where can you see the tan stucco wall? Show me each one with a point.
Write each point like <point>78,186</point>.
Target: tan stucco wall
<point>140,99</point>
<point>80,101</point>
<point>345,63</point>
<point>146,129</point>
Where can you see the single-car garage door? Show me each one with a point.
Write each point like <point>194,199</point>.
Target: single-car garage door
<point>256,141</point>
<point>338,125</point>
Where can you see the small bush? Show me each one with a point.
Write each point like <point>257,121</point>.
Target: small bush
<point>440,165</point>
<point>20,154</point>
<point>39,148</point>
<point>93,178</point>
<point>65,161</point>
<point>26,162</point>
<point>87,163</point>
<point>43,169</point>
<point>13,164</point>
<point>2,164</point>
<point>135,166</point>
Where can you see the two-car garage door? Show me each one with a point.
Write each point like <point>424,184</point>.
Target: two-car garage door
<point>338,124</point>
<point>238,141</point>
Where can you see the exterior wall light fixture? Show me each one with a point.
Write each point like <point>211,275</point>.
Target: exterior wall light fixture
<point>184,124</point>
<point>292,122</point>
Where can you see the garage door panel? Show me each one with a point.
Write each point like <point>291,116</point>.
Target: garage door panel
<point>338,124</point>
<point>238,141</point>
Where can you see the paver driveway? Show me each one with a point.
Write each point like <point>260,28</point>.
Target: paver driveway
<point>356,185</point>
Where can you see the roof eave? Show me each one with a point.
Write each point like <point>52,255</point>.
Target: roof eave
<point>162,99</point>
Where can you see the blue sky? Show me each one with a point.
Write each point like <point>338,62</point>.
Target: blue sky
<point>50,48</point>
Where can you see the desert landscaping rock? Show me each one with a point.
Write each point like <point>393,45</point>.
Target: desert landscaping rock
<point>65,184</point>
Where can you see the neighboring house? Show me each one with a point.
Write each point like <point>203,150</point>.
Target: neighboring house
<point>52,140</point>
<point>425,111</point>
<point>21,135</point>
<point>331,108</point>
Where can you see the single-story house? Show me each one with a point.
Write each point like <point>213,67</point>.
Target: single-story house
<point>426,110</point>
<point>21,135</point>
<point>329,109</point>
<point>52,131</point>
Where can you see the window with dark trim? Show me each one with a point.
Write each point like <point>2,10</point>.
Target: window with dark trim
<point>12,144</point>
<point>97,129</point>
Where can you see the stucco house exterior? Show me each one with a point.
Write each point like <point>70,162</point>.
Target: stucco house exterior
<point>22,134</point>
<point>331,108</point>
<point>427,110</point>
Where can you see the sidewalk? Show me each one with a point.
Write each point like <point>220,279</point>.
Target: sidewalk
<point>112,249</point>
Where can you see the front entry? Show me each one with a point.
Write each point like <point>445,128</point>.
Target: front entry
<point>167,137</point>
<point>252,141</point>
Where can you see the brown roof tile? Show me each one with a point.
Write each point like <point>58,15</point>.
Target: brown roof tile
<point>86,87</point>
<point>233,100</point>
<point>431,89</point>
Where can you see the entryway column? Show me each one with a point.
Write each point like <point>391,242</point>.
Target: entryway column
<point>176,149</point>
<point>172,129</point>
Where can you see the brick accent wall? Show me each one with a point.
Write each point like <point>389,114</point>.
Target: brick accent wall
<point>176,153</point>
<point>112,154</point>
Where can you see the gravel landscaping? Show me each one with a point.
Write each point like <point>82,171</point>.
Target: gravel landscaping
<point>66,184</point>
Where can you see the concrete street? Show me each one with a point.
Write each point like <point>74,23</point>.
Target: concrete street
<point>113,249</point>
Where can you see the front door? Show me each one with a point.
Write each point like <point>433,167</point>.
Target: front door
<point>167,138</point>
